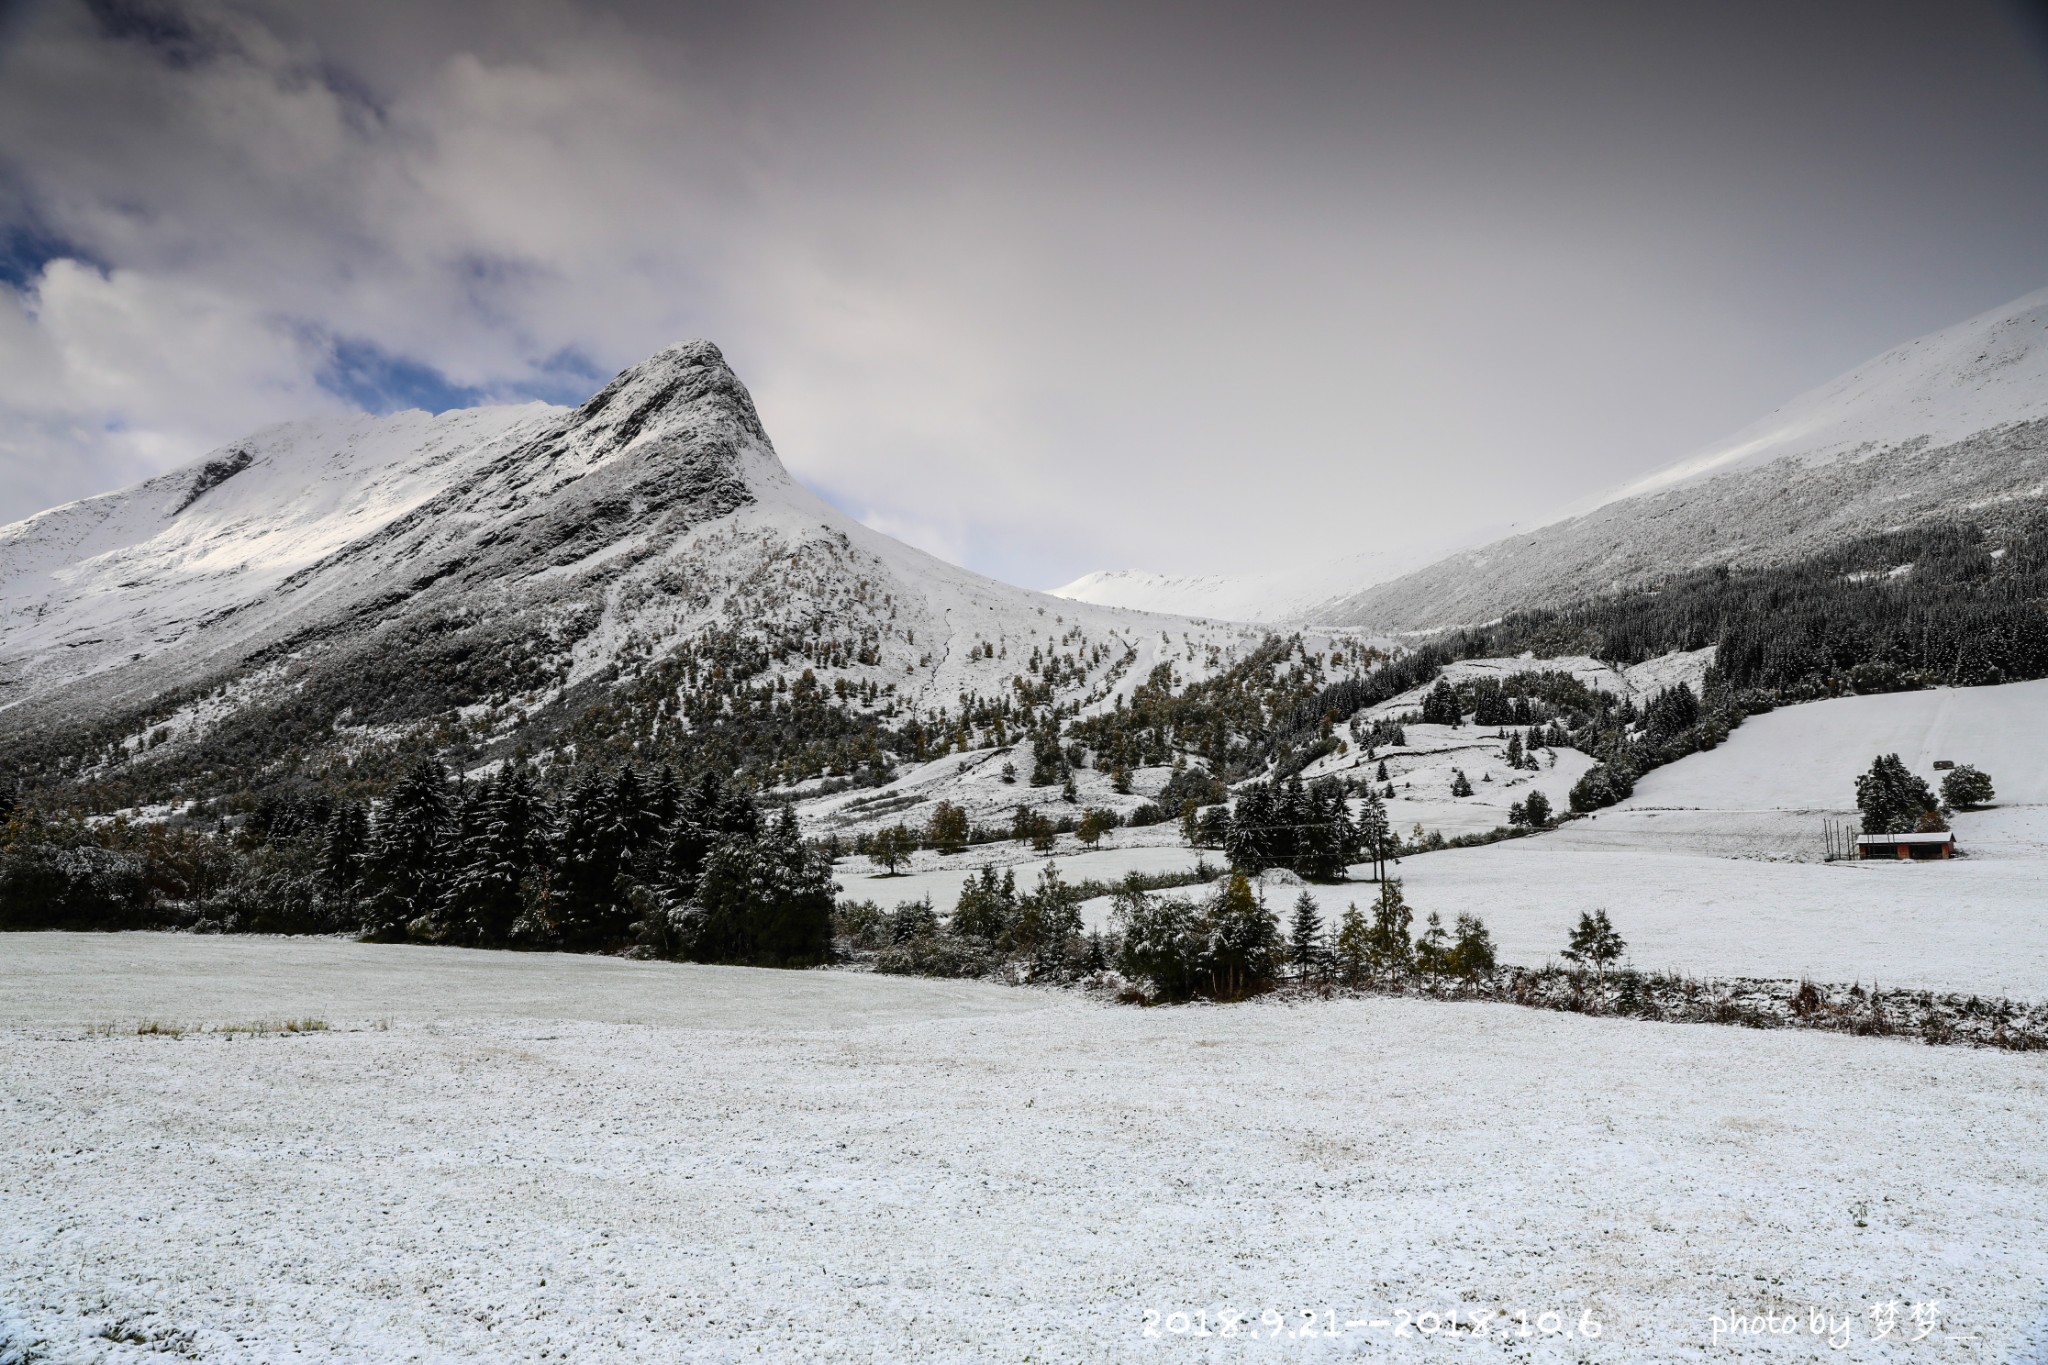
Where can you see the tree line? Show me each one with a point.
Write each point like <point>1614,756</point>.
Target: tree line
<point>630,861</point>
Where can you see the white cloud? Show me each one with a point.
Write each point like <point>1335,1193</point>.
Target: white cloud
<point>1043,294</point>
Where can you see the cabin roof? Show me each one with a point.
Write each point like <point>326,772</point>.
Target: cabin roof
<point>1946,837</point>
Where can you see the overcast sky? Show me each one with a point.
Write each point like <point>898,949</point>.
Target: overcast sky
<point>1041,287</point>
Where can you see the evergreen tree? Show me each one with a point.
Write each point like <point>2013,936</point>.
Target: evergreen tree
<point>1433,948</point>
<point>403,869</point>
<point>1472,953</point>
<point>1250,838</point>
<point>1595,941</point>
<point>1243,941</point>
<point>1163,940</point>
<point>1048,760</point>
<point>633,817</point>
<point>1387,949</point>
<point>344,845</point>
<point>1326,843</point>
<point>708,814</point>
<point>1049,922</point>
<point>1305,936</point>
<point>1441,706</point>
<point>1891,799</point>
<point>1672,711</point>
<point>506,843</point>
<point>1536,810</point>
<point>763,900</point>
<point>1460,784</point>
<point>1514,750</point>
<point>987,909</point>
<point>1375,831</point>
<point>1354,947</point>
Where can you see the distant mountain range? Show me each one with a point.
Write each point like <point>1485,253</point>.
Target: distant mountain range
<point>640,578</point>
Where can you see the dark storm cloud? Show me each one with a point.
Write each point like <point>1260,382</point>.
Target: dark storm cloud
<point>1045,287</point>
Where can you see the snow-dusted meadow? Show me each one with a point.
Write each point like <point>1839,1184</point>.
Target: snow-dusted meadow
<point>1715,867</point>
<point>502,1157</point>
<point>491,1156</point>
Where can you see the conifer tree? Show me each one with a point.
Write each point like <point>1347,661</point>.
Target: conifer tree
<point>1388,950</point>
<point>1433,947</point>
<point>765,900</point>
<point>1048,760</point>
<point>1441,705</point>
<point>1163,940</point>
<point>505,845</point>
<point>1049,921</point>
<point>1595,941</point>
<point>1353,947</point>
<point>1891,799</point>
<point>1472,953</point>
<point>987,909</point>
<point>589,899</point>
<point>404,865</point>
<point>1243,941</point>
<point>343,846</point>
<point>1305,937</point>
<point>1374,831</point>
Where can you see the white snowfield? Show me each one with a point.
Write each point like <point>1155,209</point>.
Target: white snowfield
<point>546,1158</point>
<point>1807,757</point>
<point>1715,866</point>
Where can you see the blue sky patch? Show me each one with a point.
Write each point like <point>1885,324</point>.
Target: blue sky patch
<point>379,381</point>
<point>25,250</point>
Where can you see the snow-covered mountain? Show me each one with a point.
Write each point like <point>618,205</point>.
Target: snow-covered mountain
<point>493,574</point>
<point>1953,426</point>
<point>1275,596</point>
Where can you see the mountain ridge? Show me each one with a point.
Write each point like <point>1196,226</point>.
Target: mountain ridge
<point>496,581</point>
<point>1951,426</point>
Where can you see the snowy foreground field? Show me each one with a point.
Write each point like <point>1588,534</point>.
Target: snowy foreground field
<point>502,1157</point>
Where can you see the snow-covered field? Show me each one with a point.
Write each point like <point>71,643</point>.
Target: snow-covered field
<point>547,1158</point>
<point>1807,757</point>
<point>1714,867</point>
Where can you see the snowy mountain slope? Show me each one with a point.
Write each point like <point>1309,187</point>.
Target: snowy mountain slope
<point>492,572</point>
<point>1987,372</point>
<point>86,586</point>
<point>1807,758</point>
<point>1952,426</point>
<point>1280,595</point>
